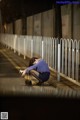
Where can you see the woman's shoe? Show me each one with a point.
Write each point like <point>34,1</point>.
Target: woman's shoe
<point>39,83</point>
<point>28,82</point>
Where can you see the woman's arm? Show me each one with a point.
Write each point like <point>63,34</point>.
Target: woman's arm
<point>29,69</point>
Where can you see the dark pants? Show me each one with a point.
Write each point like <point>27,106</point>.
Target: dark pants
<point>42,76</point>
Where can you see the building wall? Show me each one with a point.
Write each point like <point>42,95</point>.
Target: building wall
<point>76,22</point>
<point>66,21</point>
<point>18,27</point>
<point>9,28</point>
<point>37,24</point>
<point>29,25</point>
<point>43,24</point>
<point>47,23</point>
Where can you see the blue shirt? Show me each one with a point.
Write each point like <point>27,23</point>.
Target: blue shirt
<point>41,66</point>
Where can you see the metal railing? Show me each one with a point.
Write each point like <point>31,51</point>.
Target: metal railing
<point>47,48</point>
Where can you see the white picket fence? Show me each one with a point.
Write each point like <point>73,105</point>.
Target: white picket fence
<point>47,48</point>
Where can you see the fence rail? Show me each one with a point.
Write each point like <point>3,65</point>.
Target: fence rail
<point>47,48</point>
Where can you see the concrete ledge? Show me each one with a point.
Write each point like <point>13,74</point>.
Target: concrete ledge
<point>66,77</point>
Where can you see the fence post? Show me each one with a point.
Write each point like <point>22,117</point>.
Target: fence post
<point>58,75</point>
<point>19,44</point>
<point>66,56</point>
<point>73,58</point>
<point>56,55</point>
<point>42,49</point>
<point>24,49</point>
<point>53,52</point>
<point>63,55</point>
<point>15,43</point>
<point>69,57</point>
<point>31,47</point>
<point>77,60</point>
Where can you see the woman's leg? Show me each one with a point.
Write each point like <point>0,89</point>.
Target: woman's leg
<point>36,75</point>
<point>34,72</point>
<point>32,76</point>
<point>27,77</point>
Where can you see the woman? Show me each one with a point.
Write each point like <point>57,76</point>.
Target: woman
<point>39,69</point>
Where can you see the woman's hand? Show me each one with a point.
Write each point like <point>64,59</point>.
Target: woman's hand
<point>23,73</point>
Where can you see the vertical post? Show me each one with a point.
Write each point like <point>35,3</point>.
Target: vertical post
<point>31,47</point>
<point>24,49</point>
<point>66,57</point>
<point>18,45</point>
<point>73,58</point>
<point>72,20</point>
<point>24,25</point>
<point>58,34</point>
<point>58,21</point>
<point>58,75</point>
<point>69,58</point>
<point>56,54</point>
<point>14,27</point>
<point>53,53</point>
<point>15,43</point>
<point>77,60</point>
<point>41,24</point>
<point>42,49</point>
<point>8,41</point>
<point>63,55</point>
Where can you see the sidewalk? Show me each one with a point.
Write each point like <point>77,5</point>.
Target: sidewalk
<point>15,84</point>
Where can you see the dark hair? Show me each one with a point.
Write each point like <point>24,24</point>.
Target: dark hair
<point>32,60</point>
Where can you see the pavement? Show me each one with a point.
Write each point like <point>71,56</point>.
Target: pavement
<point>51,100</point>
<point>12,84</point>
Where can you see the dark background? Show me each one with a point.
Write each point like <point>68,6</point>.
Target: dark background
<point>16,9</point>
<point>40,108</point>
